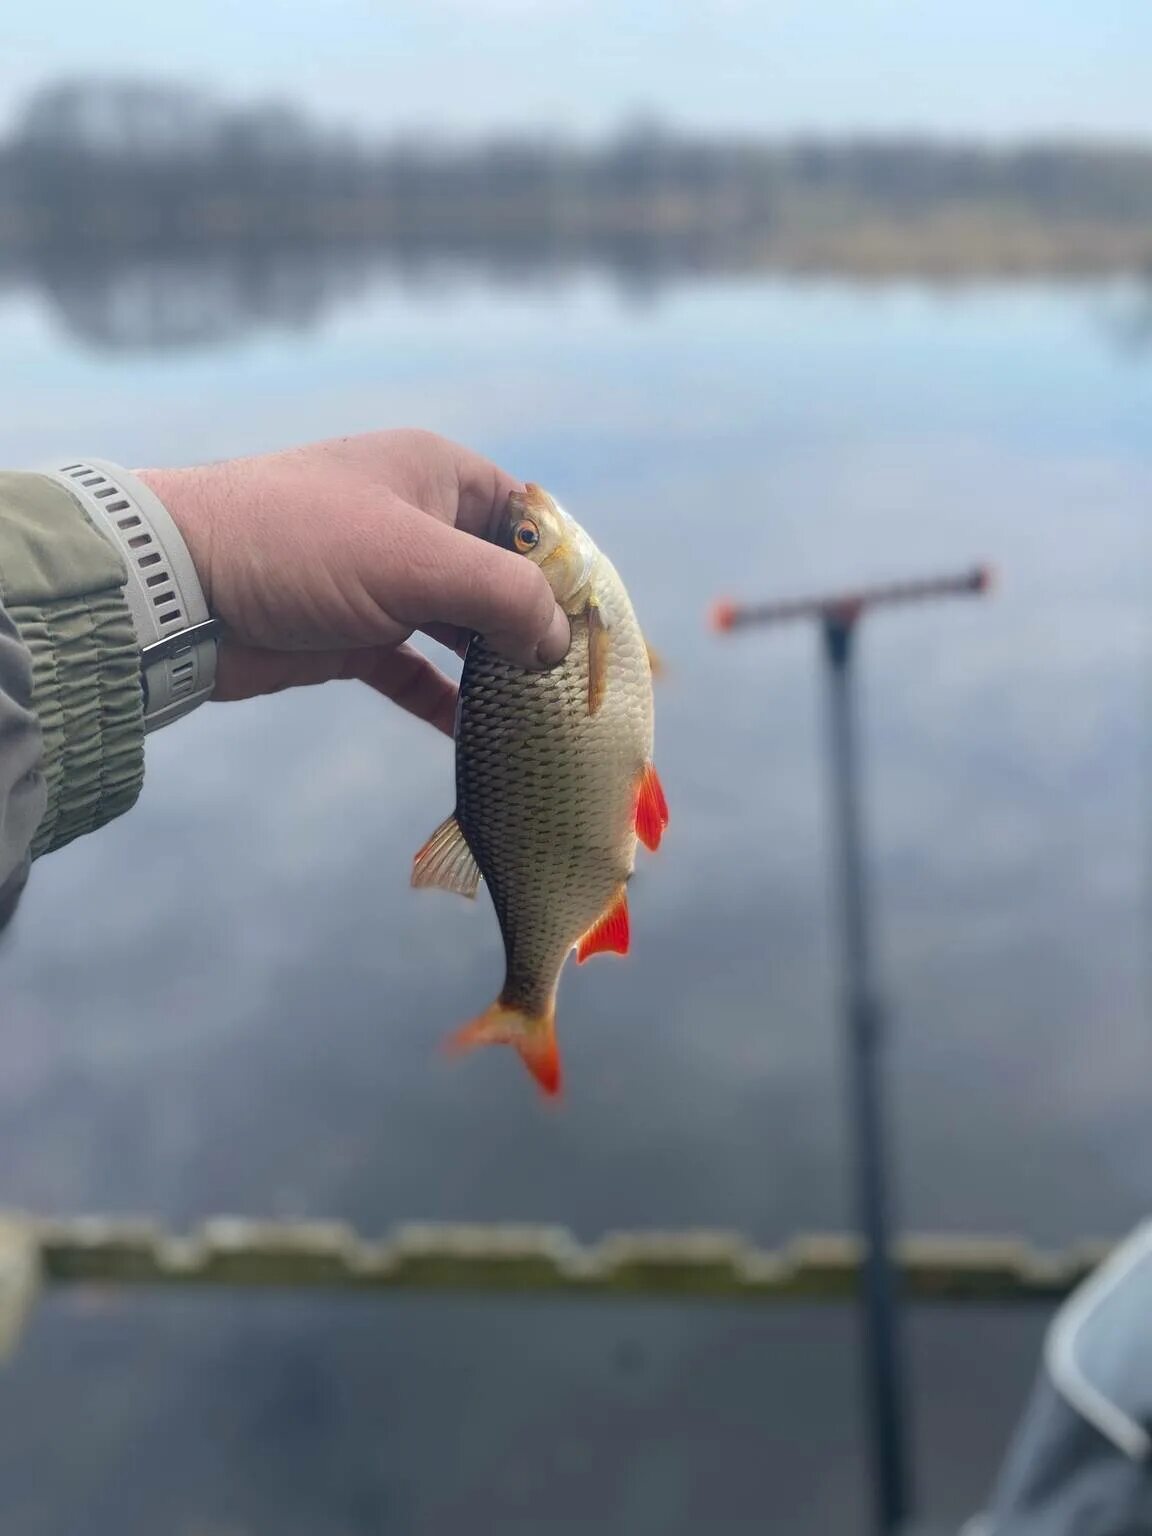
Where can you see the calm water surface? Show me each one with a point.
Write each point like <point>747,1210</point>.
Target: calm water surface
<point>230,999</point>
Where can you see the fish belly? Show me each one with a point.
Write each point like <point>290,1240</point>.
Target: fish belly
<point>546,796</point>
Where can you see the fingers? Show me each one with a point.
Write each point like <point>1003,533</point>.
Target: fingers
<point>400,674</point>
<point>453,578</point>
<point>443,478</point>
<point>483,490</point>
<point>246,672</point>
<point>410,680</point>
<point>449,635</point>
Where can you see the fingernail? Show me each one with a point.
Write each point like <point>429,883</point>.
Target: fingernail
<point>554,646</point>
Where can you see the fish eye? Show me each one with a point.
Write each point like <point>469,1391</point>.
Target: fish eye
<point>526,536</point>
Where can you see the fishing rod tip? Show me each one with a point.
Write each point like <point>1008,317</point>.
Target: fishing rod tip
<point>723,615</point>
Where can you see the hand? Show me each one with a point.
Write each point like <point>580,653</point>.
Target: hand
<point>322,560</point>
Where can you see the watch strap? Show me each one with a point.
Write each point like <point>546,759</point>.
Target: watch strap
<point>177,635</point>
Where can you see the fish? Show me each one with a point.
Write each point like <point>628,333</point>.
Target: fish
<point>555,786</point>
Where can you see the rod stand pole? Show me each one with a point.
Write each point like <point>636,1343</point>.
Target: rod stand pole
<point>864,1040</point>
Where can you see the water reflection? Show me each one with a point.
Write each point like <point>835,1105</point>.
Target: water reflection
<point>131,300</point>
<point>139,301</point>
<point>157,303</point>
<point>1128,325</point>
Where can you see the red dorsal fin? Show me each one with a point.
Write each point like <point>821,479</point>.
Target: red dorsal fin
<point>651,809</point>
<point>610,933</point>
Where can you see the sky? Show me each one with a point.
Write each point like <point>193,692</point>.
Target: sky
<point>975,67</point>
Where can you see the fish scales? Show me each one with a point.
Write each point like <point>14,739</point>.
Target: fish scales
<point>546,793</point>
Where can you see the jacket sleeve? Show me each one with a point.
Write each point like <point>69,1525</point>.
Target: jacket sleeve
<point>71,703</point>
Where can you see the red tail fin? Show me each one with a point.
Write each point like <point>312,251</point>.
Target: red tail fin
<point>533,1038</point>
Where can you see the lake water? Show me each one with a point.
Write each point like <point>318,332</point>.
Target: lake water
<point>230,999</point>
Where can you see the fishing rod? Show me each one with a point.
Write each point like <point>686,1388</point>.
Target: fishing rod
<point>839,616</point>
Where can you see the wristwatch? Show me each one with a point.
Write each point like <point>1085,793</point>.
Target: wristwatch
<point>177,635</point>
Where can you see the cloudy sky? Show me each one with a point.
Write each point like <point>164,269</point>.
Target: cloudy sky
<point>944,65</point>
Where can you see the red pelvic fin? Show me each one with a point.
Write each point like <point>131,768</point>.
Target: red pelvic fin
<point>609,934</point>
<point>651,809</point>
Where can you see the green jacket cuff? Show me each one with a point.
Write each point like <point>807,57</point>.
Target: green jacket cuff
<point>62,584</point>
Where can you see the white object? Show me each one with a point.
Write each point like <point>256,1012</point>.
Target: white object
<point>1098,1374</point>
<point>177,635</point>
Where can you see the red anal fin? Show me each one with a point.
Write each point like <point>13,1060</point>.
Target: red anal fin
<point>651,809</point>
<point>610,934</point>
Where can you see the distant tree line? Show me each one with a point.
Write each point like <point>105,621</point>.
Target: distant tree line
<point>131,161</point>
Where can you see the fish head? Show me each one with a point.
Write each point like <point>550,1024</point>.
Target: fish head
<point>535,525</point>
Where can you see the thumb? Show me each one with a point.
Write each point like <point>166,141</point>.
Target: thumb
<point>456,578</point>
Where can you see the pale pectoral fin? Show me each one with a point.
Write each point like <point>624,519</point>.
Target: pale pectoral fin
<point>597,656</point>
<point>655,662</point>
<point>610,933</point>
<point>446,860</point>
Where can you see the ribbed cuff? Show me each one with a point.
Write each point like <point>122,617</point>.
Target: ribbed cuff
<point>61,583</point>
<point>86,693</point>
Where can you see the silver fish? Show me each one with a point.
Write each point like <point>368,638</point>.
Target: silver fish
<point>554,786</point>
